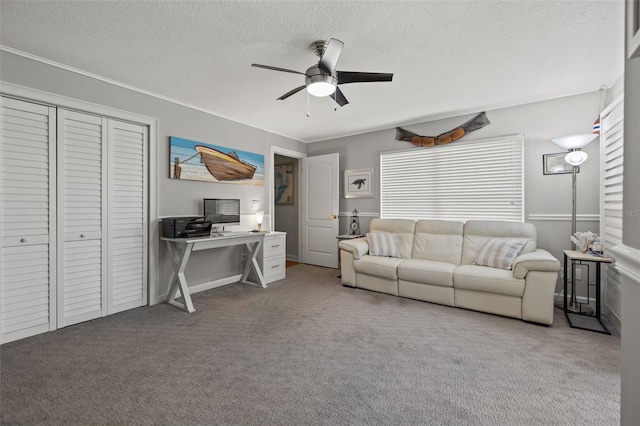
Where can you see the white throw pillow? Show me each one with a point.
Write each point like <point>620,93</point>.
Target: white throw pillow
<point>383,244</point>
<point>500,253</point>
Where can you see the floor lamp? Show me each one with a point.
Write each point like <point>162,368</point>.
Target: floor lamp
<point>574,157</point>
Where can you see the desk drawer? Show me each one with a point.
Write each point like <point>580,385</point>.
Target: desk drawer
<point>274,246</point>
<point>274,268</point>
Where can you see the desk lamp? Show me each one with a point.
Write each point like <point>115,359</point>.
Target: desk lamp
<point>259,217</point>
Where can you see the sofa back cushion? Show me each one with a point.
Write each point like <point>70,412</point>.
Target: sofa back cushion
<point>438,240</point>
<point>402,228</point>
<point>478,232</point>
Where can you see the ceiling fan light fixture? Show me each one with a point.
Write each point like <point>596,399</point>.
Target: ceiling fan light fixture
<point>321,85</point>
<point>321,89</point>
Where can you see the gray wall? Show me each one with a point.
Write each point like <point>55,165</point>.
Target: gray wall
<point>286,216</point>
<point>539,122</point>
<point>630,346</point>
<point>631,196</point>
<point>174,197</point>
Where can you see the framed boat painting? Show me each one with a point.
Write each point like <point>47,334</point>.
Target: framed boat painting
<point>193,160</point>
<point>358,183</point>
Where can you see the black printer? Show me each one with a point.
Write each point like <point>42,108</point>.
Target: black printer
<point>185,227</point>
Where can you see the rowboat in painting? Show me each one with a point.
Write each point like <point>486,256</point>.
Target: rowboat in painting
<point>223,166</point>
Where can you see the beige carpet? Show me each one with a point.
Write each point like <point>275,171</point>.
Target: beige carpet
<point>308,351</point>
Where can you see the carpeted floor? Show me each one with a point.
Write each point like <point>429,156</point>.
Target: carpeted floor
<point>308,351</point>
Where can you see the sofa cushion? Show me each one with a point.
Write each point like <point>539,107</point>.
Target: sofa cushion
<point>478,232</point>
<point>438,240</point>
<point>500,253</point>
<point>383,244</point>
<point>402,228</point>
<point>427,272</point>
<point>385,267</point>
<point>489,280</point>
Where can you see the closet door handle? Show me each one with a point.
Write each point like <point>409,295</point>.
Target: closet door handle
<point>82,235</point>
<point>23,240</point>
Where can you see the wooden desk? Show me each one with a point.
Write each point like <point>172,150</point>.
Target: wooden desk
<point>180,250</point>
<point>578,258</point>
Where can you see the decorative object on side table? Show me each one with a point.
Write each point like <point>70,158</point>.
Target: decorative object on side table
<point>584,240</point>
<point>354,226</point>
<point>358,183</point>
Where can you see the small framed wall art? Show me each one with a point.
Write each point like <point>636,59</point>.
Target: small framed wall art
<point>284,181</point>
<point>358,183</point>
<point>554,164</point>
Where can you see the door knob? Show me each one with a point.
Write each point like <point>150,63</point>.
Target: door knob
<point>334,216</point>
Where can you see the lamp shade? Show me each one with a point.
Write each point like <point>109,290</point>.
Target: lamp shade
<point>259,218</point>
<point>575,158</point>
<point>575,141</point>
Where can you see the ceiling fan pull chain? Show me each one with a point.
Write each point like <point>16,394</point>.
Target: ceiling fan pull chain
<point>308,115</point>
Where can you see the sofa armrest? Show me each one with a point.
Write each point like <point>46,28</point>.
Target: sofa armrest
<point>358,247</point>
<point>539,260</point>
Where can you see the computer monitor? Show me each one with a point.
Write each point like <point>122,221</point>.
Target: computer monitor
<point>222,211</point>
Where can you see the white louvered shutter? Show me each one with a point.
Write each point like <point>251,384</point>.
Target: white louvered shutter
<point>127,213</point>
<point>82,207</point>
<point>27,200</point>
<point>481,179</point>
<point>612,154</point>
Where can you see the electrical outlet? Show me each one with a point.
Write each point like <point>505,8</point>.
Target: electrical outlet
<point>255,204</point>
<point>578,274</point>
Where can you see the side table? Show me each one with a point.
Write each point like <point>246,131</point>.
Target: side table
<point>345,237</point>
<point>580,319</point>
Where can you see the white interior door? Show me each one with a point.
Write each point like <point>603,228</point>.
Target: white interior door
<point>27,225</point>
<point>320,195</point>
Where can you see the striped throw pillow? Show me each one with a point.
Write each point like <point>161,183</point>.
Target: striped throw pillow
<point>383,244</point>
<point>500,253</point>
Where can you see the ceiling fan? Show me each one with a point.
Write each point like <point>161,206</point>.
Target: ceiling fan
<point>322,79</point>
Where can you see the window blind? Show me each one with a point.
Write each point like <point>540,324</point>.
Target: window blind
<point>478,179</point>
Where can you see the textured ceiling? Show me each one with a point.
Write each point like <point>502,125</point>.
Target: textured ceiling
<point>448,57</point>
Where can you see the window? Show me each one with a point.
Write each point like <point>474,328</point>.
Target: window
<point>477,179</point>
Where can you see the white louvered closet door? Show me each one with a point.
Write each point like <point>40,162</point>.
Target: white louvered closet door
<point>81,211</point>
<point>27,211</point>
<point>127,212</point>
<point>612,156</point>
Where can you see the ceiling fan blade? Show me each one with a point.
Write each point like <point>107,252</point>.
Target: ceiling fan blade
<point>330,56</point>
<point>338,96</point>
<point>291,92</point>
<point>345,77</point>
<point>268,67</point>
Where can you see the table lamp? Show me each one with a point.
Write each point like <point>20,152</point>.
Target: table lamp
<point>259,217</point>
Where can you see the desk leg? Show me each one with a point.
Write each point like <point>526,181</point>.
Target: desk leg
<point>597,290</point>
<point>178,279</point>
<point>252,263</point>
<point>564,278</point>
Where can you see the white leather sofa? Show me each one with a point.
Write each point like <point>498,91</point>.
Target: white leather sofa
<point>437,264</point>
